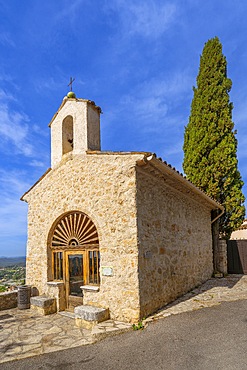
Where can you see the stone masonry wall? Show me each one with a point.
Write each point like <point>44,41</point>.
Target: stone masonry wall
<point>103,187</point>
<point>93,128</point>
<point>8,300</point>
<point>174,239</point>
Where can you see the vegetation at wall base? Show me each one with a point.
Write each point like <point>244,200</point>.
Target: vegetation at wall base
<point>139,325</point>
<point>210,144</point>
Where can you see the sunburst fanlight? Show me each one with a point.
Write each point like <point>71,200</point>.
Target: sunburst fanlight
<point>73,230</point>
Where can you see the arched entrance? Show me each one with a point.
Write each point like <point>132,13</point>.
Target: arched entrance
<point>74,244</point>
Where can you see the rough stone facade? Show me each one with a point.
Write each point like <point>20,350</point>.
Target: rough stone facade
<point>103,187</point>
<point>174,240</point>
<point>154,227</point>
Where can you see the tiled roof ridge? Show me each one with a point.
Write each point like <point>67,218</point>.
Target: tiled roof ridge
<point>147,157</point>
<point>154,155</point>
<point>184,177</point>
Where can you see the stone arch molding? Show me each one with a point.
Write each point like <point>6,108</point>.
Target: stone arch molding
<point>73,230</point>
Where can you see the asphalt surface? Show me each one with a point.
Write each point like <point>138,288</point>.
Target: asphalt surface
<point>211,338</point>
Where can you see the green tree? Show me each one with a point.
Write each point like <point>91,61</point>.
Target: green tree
<point>210,145</point>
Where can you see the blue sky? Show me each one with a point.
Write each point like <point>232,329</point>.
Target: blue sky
<point>138,60</point>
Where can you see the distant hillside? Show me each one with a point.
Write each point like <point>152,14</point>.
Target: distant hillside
<point>12,261</point>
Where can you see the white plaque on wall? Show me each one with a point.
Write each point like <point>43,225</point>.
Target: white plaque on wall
<point>107,271</point>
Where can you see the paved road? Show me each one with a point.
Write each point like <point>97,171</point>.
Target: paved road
<point>211,338</point>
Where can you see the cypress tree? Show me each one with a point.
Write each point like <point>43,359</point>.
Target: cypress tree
<point>210,145</point>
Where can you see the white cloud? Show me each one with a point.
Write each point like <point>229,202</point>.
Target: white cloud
<point>145,108</point>
<point>240,110</point>
<point>5,96</point>
<point>5,39</point>
<point>49,83</point>
<point>35,163</point>
<point>13,183</point>
<point>14,129</point>
<point>69,11</point>
<point>13,216</point>
<point>151,103</point>
<point>149,19</point>
<point>172,86</point>
<point>16,136</point>
<point>40,131</point>
<point>16,133</point>
<point>7,78</point>
<point>54,84</point>
<point>13,212</point>
<point>174,149</point>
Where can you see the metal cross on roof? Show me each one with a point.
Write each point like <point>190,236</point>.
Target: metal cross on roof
<point>71,81</point>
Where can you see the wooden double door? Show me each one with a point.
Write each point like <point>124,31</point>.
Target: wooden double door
<point>75,277</point>
<point>76,268</point>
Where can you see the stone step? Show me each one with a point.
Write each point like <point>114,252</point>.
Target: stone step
<point>43,304</point>
<point>71,315</point>
<point>89,316</point>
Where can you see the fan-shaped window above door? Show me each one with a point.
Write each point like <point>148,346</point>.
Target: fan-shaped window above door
<point>74,230</point>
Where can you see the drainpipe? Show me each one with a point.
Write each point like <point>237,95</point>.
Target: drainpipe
<point>216,218</point>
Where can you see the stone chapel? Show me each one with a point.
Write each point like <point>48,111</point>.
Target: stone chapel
<point>122,231</point>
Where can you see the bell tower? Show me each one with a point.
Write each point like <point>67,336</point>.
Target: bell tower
<point>74,128</point>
